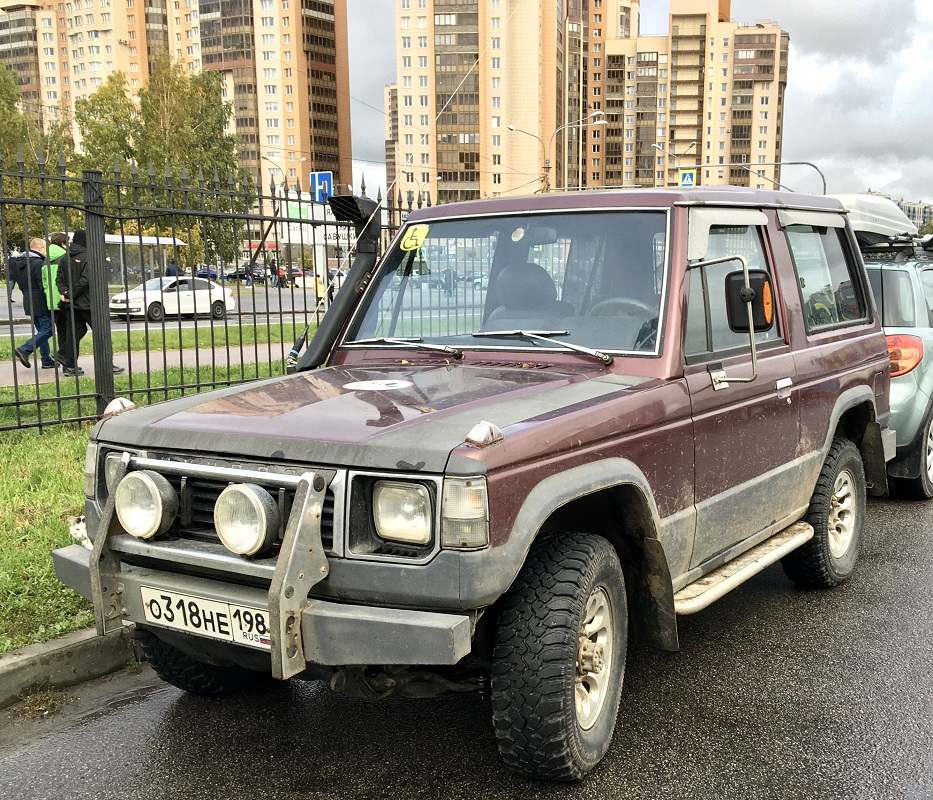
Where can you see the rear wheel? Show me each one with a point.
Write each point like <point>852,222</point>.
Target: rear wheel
<point>218,310</point>
<point>837,514</point>
<point>559,658</point>
<point>921,487</point>
<point>156,312</point>
<point>196,677</point>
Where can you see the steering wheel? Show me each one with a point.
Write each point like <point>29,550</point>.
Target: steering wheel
<point>623,303</point>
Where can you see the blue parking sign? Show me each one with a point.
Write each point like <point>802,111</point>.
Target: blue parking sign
<point>322,186</point>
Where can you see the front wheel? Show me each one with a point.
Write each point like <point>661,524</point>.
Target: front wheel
<point>837,514</point>
<point>218,310</point>
<point>559,658</point>
<point>156,312</point>
<point>196,677</point>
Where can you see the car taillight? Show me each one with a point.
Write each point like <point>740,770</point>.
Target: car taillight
<point>904,352</point>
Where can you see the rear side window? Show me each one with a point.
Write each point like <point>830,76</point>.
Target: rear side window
<point>894,296</point>
<point>926,283</point>
<point>829,286</point>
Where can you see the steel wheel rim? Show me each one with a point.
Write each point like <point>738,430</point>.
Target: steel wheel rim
<point>594,658</point>
<point>842,514</point>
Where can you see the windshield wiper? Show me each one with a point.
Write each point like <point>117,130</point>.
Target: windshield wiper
<point>543,337</point>
<point>413,342</point>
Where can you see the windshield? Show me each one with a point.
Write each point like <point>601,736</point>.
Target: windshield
<point>593,279</point>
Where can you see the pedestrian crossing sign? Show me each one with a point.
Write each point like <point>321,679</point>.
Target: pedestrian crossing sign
<point>688,178</point>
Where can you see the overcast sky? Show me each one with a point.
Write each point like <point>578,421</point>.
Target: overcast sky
<point>859,100</point>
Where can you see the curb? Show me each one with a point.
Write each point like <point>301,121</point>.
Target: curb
<point>70,660</point>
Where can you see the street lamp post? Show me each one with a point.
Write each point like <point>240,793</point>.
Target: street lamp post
<point>547,150</point>
<point>674,156</point>
<point>275,165</point>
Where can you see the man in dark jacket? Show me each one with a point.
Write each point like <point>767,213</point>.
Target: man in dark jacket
<point>27,271</point>
<point>74,317</point>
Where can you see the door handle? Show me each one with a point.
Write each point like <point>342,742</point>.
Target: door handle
<point>783,383</point>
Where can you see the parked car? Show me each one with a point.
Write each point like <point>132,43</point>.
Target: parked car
<point>481,281</point>
<point>173,296</point>
<point>900,271</point>
<point>207,272</point>
<point>652,402</point>
<point>238,273</point>
<point>904,294</point>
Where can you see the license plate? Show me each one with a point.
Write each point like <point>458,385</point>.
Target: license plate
<point>185,612</point>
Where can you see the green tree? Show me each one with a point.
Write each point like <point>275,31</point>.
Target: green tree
<point>21,137</point>
<point>109,126</point>
<point>178,129</point>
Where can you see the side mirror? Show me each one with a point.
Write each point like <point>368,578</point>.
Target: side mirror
<point>758,293</point>
<point>743,294</point>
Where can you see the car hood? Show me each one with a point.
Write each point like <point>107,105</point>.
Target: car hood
<point>389,417</point>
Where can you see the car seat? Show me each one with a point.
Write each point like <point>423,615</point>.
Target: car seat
<point>527,292</point>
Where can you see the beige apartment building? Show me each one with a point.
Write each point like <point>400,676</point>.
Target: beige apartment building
<point>285,65</point>
<point>502,96</point>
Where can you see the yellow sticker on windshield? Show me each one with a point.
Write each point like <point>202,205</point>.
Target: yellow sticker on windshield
<point>414,237</point>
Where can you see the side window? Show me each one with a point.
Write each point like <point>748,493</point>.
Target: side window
<point>926,282</point>
<point>707,326</point>
<point>894,296</point>
<point>829,286</point>
<point>201,285</point>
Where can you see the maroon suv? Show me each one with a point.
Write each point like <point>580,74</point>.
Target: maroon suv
<point>648,397</point>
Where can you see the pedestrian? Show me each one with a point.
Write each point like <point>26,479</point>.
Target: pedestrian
<point>10,278</point>
<point>27,270</point>
<point>73,283</point>
<point>58,247</point>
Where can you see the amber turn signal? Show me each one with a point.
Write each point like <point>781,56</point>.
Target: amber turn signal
<point>904,352</point>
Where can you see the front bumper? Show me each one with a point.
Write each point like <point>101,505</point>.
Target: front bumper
<point>333,634</point>
<point>298,629</point>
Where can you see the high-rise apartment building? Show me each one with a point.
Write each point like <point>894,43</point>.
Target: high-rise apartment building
<point>286,71</point>
<point>285,65</point>
<point>497,96</point>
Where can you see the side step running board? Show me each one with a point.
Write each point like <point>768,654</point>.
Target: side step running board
<point>701,593</point>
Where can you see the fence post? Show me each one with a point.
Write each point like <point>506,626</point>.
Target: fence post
<point>98,280</point>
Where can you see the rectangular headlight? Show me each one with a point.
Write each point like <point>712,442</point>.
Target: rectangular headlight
<point>402,512</point>
<point>465,514</point>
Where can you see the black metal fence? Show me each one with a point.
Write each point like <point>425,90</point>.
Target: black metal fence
<point>193,284</point>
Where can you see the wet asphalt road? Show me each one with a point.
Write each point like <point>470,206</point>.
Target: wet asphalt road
<point>776,693</point>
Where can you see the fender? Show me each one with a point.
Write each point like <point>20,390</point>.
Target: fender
<point>655,616</point>
<point>871,443</point>
<point>849,399</point>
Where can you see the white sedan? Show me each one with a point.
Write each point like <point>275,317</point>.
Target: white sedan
<point>160,297</point>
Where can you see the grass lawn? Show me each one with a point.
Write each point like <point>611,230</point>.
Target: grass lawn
<point>205,335</point>
<point>42,486</point>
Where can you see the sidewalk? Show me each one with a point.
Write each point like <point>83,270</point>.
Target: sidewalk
<point>12,373</point>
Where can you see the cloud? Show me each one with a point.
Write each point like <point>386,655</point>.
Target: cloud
<point>857,102</point>
<point>863,30</point>
<point>371,25</point>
